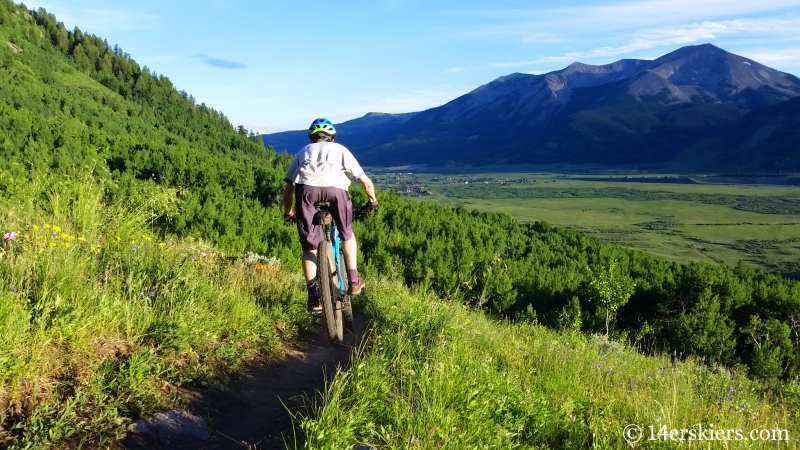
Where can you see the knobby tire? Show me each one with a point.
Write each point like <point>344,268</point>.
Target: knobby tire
<point>347,306</point>
<point>331,305</point>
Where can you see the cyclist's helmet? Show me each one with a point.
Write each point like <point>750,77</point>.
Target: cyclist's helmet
<point>321,126</point>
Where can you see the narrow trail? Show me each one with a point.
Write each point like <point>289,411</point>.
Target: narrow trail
<point>250,412</point>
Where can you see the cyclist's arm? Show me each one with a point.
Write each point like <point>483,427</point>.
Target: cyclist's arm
<point>369,188</point>
<point>288,198</point>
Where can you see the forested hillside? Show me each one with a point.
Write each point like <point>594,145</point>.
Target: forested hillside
<point>70,102</point>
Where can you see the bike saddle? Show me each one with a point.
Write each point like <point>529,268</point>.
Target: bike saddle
<point>323,216</point>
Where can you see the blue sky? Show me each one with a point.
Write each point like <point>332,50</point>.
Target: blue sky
<point>274,65</point>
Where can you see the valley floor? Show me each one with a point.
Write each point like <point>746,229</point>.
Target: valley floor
<point>678,217</point>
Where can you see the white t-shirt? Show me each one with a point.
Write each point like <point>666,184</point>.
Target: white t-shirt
<point>323,164</point>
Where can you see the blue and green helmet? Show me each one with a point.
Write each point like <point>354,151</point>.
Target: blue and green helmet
<point>321,126</point>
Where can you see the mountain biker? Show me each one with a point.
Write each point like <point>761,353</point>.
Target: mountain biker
<point>317,174</point>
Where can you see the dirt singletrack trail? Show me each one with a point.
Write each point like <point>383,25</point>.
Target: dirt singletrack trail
<point>250,412</point>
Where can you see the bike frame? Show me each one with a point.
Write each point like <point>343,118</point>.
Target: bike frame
<point>336,246</point>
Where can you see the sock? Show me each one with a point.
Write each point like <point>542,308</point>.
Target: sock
<point>352,275</point>
<point>312,289</point>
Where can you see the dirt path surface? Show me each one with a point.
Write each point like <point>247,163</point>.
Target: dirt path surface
<point>250,413</point>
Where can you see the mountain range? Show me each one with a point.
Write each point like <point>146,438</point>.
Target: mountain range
<point>677,109</point>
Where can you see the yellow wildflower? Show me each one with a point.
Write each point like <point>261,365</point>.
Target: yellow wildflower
<point>118,239</point>
<point>46,226</point>
<point>52,244</point>
<point>66,244</point>
<point>146,238</point>
<point>57,228</point>
<point>36,228</point>
<point>71,237</point>
<point>82,239</point>
<point>161,245</point>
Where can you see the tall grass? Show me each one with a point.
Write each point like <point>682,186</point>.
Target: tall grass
<point>101,318</point>
<point>433,375</point>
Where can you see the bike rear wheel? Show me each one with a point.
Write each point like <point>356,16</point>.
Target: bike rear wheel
<point>331,305</point>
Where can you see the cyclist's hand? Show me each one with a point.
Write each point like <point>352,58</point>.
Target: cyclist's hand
<point>290,218</point>
<point>371,207</point>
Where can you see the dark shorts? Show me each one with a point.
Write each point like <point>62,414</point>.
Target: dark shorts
<point>341,209</point>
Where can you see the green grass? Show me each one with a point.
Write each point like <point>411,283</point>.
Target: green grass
<point>434,375</point>
<point>706,222</point>
<point>101,320</point>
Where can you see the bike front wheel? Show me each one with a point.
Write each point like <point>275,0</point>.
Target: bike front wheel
<point>331,305</point>
<point>347,307</point>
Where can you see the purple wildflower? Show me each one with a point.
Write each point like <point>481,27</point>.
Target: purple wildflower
<point>55,235</point>
<point>730,389</point>
<point>14,290</point>
<point>10,235</point>
<point>135,248</point>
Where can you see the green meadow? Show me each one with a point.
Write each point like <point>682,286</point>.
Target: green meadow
<point>714,223</point>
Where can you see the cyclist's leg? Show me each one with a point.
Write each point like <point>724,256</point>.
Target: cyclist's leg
<point>342,211</point>
<point>310,235</point>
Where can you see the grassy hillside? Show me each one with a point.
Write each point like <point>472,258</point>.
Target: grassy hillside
<point>432,374</point>
<point>103,318</point>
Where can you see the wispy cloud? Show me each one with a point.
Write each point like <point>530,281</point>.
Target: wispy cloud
<point>788,58</point>
<point>536,25</point>
<point>222,63</point>
<point>689,34</point>
<point>100,20</point>
<point>684,34</point>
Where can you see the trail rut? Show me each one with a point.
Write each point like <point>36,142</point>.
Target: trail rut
<point>250,412</point>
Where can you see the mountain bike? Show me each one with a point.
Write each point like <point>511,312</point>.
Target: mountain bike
<point>332,281</point>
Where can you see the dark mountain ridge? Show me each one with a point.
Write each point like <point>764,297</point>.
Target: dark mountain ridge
<point>630,111</point>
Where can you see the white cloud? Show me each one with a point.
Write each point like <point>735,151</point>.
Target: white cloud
<point>100,20</point>
<point>786,59</point>
<point>675,35</point>
<point>540,26</point>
